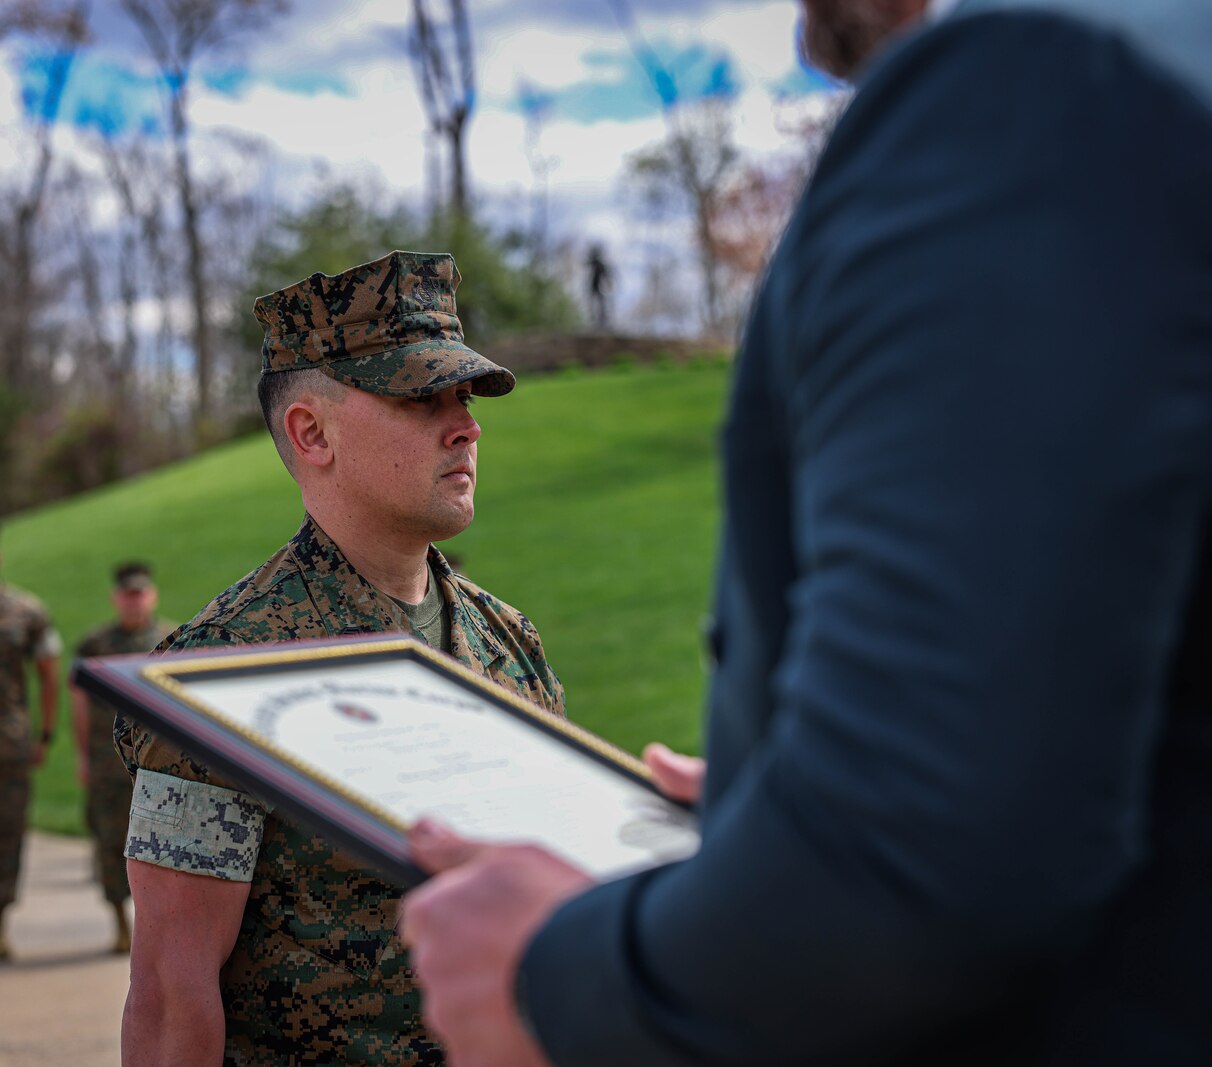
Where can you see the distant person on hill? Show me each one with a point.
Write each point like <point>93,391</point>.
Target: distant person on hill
<point>107,785</point>
<point>255,939</point>
<point>26,635</point>
<point>601,279</point>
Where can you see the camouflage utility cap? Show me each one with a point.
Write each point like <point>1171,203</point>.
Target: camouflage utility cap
<point>133,577</point>
<point>388,327</point>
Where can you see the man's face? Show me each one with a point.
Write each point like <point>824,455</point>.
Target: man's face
<point>407,462</point>
<point>135,607</point>
<point>841,35</point>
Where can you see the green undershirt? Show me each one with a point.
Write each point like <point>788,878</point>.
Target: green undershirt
<point>429,619</point>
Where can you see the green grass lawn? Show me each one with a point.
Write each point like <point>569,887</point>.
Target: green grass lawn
<point>596,515</point>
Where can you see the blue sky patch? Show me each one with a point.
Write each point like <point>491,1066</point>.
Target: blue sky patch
<point>106,96</point>
<point>636,87</point>
<point>99,95</point>
<point>235,81</point>
<point>311,83</point>
<point>230,82</point>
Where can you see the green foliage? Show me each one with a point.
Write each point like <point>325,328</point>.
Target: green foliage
<point>334,232</point>
<point>501,293</point>
<point>596,516</point>
<point>11,407</point>
<point>83,452</point>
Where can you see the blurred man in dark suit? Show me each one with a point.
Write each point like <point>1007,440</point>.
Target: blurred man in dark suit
<point>958,807</point>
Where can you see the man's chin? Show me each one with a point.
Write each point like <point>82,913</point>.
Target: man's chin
<point>452,523</point>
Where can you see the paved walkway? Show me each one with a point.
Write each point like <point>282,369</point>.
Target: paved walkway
<point>61,997</point>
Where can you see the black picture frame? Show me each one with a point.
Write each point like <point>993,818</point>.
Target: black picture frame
<point>155,692</point>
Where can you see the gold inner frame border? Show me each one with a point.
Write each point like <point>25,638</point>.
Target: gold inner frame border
<point>165,677</point>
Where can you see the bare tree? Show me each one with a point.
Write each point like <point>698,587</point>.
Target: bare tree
<point>142,257</point>
<point>536,106</point>
<point>177,33</point>
<point>693,163</point>
<point>63,32</point>
<point>448,97</point>
<point>36,16</point>
<point>689,172</point>
<point>25,339</point>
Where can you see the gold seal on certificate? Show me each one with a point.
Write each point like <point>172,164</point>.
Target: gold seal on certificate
<point>361,737</point>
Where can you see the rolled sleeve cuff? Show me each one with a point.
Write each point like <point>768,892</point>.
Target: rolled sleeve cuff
<point>194,827</point>
<point>49,645</point>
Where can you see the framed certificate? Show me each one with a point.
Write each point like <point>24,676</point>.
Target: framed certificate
<point>359,737</point>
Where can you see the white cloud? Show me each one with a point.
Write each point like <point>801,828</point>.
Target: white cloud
<point>542,56</point>
<point>760,37</point>
<point>381,126</point>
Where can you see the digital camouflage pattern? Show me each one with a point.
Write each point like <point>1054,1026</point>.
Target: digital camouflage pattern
<point>26,633</point>
<point>194,826</point>
<point>107,800</point>
<point>316,975</point>
<point>388,327</point>
<point>14,798</point>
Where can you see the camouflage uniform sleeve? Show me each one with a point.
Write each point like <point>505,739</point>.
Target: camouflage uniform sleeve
<point>184,816</point>
<point>194,827</point>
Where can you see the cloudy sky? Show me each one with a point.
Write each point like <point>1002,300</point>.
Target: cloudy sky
<point>330,87</point>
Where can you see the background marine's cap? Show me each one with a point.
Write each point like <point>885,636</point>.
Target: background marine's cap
<point>388,327</point>
<point>133,577</point>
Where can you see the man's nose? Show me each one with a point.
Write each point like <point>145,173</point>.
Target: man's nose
<point>463,428</point>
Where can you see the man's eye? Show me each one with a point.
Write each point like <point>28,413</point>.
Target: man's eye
<point>467,398</point>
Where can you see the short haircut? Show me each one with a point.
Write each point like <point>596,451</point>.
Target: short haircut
<point>277,390</point>
<point>132,575</point>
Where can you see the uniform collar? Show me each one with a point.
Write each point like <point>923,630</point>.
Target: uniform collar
<point>471,640</point>
<point>348,604</point>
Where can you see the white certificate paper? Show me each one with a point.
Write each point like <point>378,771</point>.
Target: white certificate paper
<point>409,741</point>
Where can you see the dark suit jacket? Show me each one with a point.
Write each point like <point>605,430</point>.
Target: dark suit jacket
<point>959,805</point>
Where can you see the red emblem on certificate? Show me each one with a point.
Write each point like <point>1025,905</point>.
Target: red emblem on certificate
<point>355,711</point>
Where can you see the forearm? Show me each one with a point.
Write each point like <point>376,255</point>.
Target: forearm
<point>80,714</point>
<point>185,928</point>
<point>48,692</point>
<point>179,1024</point>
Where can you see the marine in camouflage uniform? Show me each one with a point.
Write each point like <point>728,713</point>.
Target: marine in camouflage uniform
<point>107,781</point>
<point>316,974</point>
<point>26,634</point>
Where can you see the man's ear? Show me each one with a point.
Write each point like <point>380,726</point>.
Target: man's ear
<point>304,422</point>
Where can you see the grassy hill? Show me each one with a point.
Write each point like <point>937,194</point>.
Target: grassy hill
<point>596,516</point>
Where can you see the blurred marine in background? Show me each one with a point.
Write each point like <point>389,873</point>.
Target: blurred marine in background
<point>27,636</point>
<point>104,777</point>
<point>958,805</point>
<point>257,942</point>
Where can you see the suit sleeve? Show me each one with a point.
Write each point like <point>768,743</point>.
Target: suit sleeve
<point>985,345</point>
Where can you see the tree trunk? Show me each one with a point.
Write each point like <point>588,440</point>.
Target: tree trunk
<point>203,355</point>
<point>458,193</point>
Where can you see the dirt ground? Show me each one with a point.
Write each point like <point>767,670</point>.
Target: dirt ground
<point>61,996</point>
